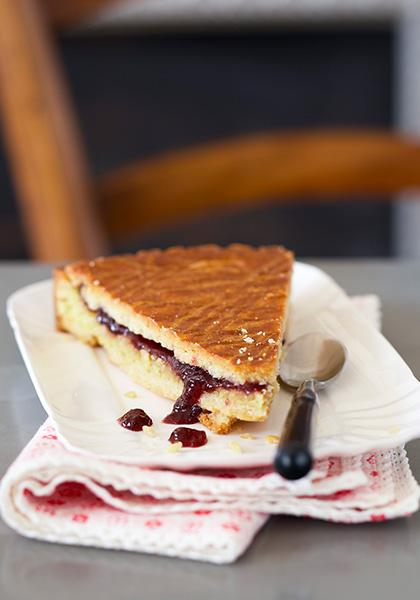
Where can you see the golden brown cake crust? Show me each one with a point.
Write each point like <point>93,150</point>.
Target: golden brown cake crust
<point>229,303</point>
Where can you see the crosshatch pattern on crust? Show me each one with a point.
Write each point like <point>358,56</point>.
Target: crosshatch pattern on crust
<point>230,302</point>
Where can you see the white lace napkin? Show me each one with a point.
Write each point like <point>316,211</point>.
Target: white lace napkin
<point>54,494</point>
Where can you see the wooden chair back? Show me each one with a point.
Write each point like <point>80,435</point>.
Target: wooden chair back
<point>68,214</point>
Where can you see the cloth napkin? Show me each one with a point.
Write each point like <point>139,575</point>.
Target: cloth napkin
<point>54,494</point>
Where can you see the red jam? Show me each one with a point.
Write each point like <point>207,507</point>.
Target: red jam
<point>135,419</point>
<point>186,409</point>
<point>189,438</point>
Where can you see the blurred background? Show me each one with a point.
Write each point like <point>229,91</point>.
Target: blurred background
<point>143,123</point>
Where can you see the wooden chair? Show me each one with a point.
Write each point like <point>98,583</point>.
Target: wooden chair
<point>67,214</point>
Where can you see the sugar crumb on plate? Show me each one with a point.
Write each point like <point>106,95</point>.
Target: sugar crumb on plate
<point>235,447</point>
<point>149,430</point>
<point>272,439</point>
<point>174,448</point>
<point>247,436</point>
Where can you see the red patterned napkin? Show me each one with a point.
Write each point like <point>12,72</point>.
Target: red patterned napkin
<point>54,494</point>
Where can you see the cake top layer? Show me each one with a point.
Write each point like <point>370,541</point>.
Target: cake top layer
<point>223,304</point>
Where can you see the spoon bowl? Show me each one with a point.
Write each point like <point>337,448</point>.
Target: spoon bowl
<point>312,356</point>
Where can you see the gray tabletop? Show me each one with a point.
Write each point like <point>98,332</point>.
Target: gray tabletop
<point>290,559</point>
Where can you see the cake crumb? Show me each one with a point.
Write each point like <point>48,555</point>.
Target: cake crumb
<point>130,394</point>
<point>243,330</point>
<point>248,339</point>
<point>247,436</point>
<point>271,341</point>
<point>174,448</point>
<point>242,350</point>
<point>238,361</point>
<point>149,430</point>
<point>250,358</point>
<point>235,447</point>
<point>272,439</point>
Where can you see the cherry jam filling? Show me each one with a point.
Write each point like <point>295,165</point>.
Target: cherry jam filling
<point>135,419</point>
<point>189,438</point>
<point>196,380</point>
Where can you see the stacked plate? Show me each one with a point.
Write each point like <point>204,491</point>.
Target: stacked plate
<point>375,403</point>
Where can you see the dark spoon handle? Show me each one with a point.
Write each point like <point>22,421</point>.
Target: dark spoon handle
<point>294,458</point>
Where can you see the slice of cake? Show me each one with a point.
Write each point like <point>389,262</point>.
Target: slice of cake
<point>202,326</point>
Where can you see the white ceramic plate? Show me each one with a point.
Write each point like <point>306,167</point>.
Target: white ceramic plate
<point>375,403</point>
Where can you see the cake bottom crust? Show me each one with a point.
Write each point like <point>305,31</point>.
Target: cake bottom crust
<point>225,405</point>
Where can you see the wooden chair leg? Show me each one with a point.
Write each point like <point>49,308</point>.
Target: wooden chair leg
<point>47,160</point>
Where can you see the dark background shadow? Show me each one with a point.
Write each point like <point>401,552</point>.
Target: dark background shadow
<point>137,95</point>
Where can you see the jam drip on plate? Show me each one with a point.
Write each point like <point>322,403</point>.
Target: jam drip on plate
<point>135,419</point>
<point>196,380</point>
<point>189,438</point>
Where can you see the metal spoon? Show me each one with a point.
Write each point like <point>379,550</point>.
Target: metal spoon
<point>308,364</point>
